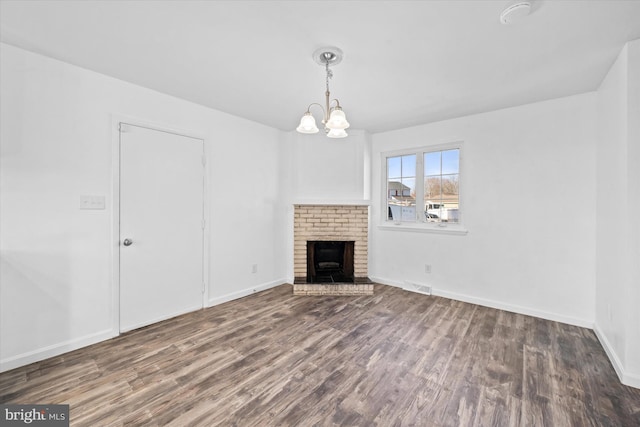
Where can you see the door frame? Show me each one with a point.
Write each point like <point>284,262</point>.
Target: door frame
<point>116,120</point>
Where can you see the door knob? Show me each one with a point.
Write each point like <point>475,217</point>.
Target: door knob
<point>127,242</point>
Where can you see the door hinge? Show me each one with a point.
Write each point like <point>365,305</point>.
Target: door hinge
<point>204,160</point>
<point>203,224</point>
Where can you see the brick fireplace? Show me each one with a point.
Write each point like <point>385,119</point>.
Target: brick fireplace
<point>341,223</point>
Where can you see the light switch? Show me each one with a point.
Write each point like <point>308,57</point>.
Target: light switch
<point>92,202</point>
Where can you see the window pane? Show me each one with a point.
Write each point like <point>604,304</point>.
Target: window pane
<point>441,192</point>
<point>432,163</point>
<point>409,213</point>
<point>450,198</point>
<point>393,167</point>
<point>408,200</point>
<point>450,189</point>
<point>451,161</point>
<point>432,189</point>
<point>409,188</point>
<point>401,188</point>
<point>409,165</point>
<point>394,189</point>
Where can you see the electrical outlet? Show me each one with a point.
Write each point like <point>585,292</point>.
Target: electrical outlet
<point>254,268</point>
<point>427,268</point>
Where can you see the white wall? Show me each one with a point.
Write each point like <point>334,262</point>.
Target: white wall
<point>56,290</point>
<point>327,169</point>
<point>528,194</point>
<point>618,201</point>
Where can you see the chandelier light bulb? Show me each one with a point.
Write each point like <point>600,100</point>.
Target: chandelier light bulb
<point>307,124</point>
<point>337,120</point>
<point>337,133</point>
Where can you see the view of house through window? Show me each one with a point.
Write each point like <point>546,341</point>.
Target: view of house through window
<point>430,177</point>
<point>401,187</point>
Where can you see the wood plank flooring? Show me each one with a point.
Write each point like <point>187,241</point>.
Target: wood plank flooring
<point>391,359</point>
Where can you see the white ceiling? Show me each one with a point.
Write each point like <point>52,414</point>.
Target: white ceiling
<point>406,62</point>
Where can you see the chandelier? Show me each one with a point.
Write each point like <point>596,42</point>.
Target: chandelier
<point>333,118</point>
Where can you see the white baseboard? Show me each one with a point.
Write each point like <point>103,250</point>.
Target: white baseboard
<point>583,323</point>
<point>626,378</point>
<point>55,350</point>
<point>244,292</point>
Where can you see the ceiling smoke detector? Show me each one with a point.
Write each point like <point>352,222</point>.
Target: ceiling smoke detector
<point>515,11</point>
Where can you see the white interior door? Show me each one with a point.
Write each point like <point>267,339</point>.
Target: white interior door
<point>161,225</point>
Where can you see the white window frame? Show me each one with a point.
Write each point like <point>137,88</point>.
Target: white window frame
<point>421,224</point>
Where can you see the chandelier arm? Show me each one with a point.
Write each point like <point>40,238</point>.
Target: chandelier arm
<point>315,103</point>
<point>337,104</point>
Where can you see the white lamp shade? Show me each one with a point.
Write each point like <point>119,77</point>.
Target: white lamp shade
<point>337,133</point>
<point>307,124</point>
<point>337,120</point>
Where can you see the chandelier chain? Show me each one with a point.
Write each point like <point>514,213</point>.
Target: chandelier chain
<point>329,74</point>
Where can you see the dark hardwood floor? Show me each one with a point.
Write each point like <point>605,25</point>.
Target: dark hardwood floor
<point>392,359</point>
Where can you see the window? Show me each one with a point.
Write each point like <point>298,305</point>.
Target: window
<point>428,178</point>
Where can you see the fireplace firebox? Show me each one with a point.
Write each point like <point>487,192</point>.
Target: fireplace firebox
<point>330,261</point>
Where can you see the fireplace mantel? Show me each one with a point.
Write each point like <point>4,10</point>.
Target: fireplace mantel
<point>331,202</point>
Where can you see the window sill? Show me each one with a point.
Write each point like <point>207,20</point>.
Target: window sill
<point>421,227</point>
